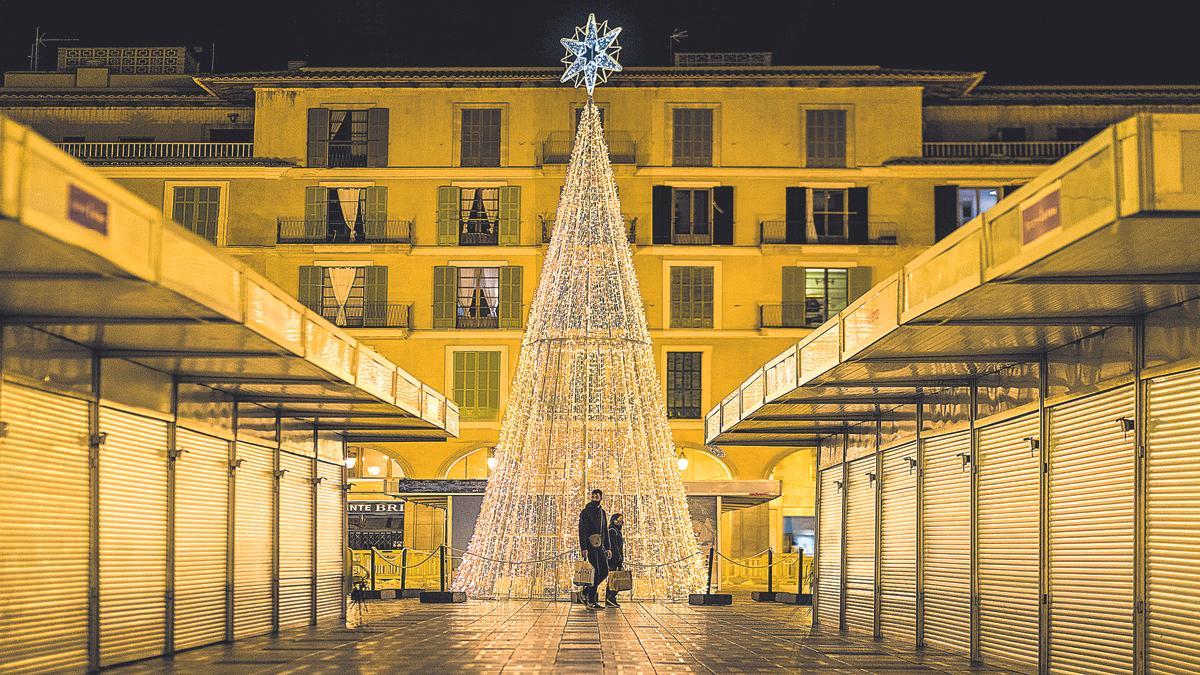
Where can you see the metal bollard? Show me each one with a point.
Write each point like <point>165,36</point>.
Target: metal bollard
<point>770,570</point>
<point>800,573</point>
<point>710,570</point>
<point>442,568</point>
<point>403,568</point>
<point>374,566</point>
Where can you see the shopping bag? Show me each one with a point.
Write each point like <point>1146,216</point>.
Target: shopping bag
<point>584,574</point>
<point>620,580</point>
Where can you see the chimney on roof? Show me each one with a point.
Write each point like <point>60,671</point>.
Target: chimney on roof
<point>294,66</point>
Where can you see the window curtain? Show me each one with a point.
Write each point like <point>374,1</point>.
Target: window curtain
<point>478,220</point>
<point>341,280</point>
<point>491,296</point>
<point>810,223</point>
<point>348,201</point>
<point>467,285</point>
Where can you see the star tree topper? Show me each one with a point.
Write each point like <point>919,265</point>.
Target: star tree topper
<point>588,59</point>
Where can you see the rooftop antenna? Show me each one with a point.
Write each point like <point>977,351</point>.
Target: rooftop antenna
<point>677,35</point>
<point>39,41</point>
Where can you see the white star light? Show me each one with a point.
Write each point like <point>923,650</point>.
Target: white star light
<point>588,59</point>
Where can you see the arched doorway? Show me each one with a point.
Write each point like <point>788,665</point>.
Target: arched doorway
<point>797,473</point>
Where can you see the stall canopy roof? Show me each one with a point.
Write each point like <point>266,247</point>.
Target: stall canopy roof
<point>1103,236</point>
<point>83,258</point>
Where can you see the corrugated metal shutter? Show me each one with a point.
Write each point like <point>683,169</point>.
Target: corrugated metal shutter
<point>133,537</point>
<point>898,545</point>
<point>1091,534</point>
<point>1008,541</point>
<point>1173,523</point>
<point>201,532</point>
<point>295,540</point>
<point>860,547</point>
<point>43,517</point>
<point>253,540</point>
<point>331,520</point>
<point>948,543</point>
<point>829,553</point>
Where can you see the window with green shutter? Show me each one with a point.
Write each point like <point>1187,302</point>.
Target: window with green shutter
<point>197,208</point>
<point>448,207</point>
<point>445,283</point>
<point>825,137</point>
<point>691,297</point>
<point>684,384</point>
<point>480,136</point>
<point>826,292</point>
<point>692,136</point>
<point>510,296</point>
<point>476,387</point>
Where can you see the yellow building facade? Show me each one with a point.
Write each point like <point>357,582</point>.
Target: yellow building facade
<point>413,206</point>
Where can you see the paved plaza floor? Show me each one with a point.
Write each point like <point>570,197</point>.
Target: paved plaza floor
<point>523,637</point>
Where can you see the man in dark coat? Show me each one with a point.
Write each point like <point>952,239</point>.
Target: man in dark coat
<point>594,544</point>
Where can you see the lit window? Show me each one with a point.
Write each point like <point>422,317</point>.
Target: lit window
<point>831,214</point>
<point>974,201</point>
<point>479,216</point>
<point>826,292</point>
<point>478,297</point>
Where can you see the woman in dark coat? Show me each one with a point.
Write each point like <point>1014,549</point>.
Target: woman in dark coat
<point>616,544</point>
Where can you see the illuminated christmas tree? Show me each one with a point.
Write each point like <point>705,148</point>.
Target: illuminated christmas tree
<point>586,409</point>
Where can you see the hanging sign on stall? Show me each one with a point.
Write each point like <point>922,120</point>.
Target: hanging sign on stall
<point>1040,217</point>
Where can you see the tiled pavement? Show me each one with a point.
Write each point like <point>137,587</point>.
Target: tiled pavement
<point>518,637</point>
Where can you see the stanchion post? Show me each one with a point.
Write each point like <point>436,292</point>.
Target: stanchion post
<point>442,568</point>
<point>710,568</point>
<point>770,570</point>
<point>374,567</point>
<point>800,572</point>
<point>403,569</point>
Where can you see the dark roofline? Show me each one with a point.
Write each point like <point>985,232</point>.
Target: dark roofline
<point>944,83</point>
<point>1138,94</point>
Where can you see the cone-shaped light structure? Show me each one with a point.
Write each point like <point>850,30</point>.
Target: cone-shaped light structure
<point>586,411</point>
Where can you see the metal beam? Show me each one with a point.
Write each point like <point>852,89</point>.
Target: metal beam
<point>1166,278</point>
<point>828,417</point>
<point>766,444</point>
<point>809,431</point>
<point>52,276</point>
<point>951,358</point>
<point>932,383</point>
<point>1048,320</point>
<point>860,399</point>
<point>185,354</point>
<point>370,426</point>
<point>376,438</point>
<point>285,398</point>
<point>250,379</point>
<point>314,413</point>
<point>45,320</point>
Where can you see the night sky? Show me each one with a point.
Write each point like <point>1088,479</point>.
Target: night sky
<point>1016,42</point>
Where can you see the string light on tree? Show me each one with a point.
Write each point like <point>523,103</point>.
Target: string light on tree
<point>587,409</point>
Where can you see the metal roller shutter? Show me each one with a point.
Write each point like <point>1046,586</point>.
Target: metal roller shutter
<point>133,537</point>
<point>295,540</point>
<point>1008,541</point>
<point>829,554</point>
<point>1091,534</point>
<point>1173,523</point>
<point>898,545</point>
<point>331,520</point>
<point>43,516</point>
<point>253,540</point>
<point>948,543</point>
<point>201,533</point>
<point>860,546</point>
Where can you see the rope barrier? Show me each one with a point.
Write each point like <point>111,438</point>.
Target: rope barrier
<point>424,560</point>
<point>633,564</point>
<point>559,555</point>
<point>781,561</point>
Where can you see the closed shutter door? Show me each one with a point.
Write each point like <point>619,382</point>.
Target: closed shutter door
<point>898,546</point>
<point>1173,523</point>
<point>253,540</point>
<point>1008,541</point>
<point>295,540</point>
<point>331,521</point>
<point>860,547</point>
<point>829,555</point>
<point>1091,535</point>
<point>201,532</point>
<point>43,516</point>
<point>133,537</point>
<point>948,543</point>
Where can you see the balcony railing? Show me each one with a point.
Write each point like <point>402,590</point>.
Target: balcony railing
<point>479,238</point>
<point>480,318</point>
<point>347,154</point>
<point>776,232</point>
<point>150,152</point>
<point>1027,150</point>
<point>301,231</point>
<point>630,225</point>
<point>789,315</point>
<point>556,149</point>
<point>371,315</point>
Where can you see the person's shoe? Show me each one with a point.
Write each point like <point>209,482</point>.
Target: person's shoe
<point>611,603</point>
<point>592,605</point>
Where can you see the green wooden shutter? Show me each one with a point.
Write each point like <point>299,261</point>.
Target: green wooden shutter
<point>316,212</point>
<point>375,213</point>
<point>858,281</point>
<point>377,137</point>
<point>792,311</point>
<point>510,215</point>
<point>445,283</point>
<point>510,296</point>
<point>318,137</point>
<point>449,203</point>
<point>375,292</point>
<point>312,286</point>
